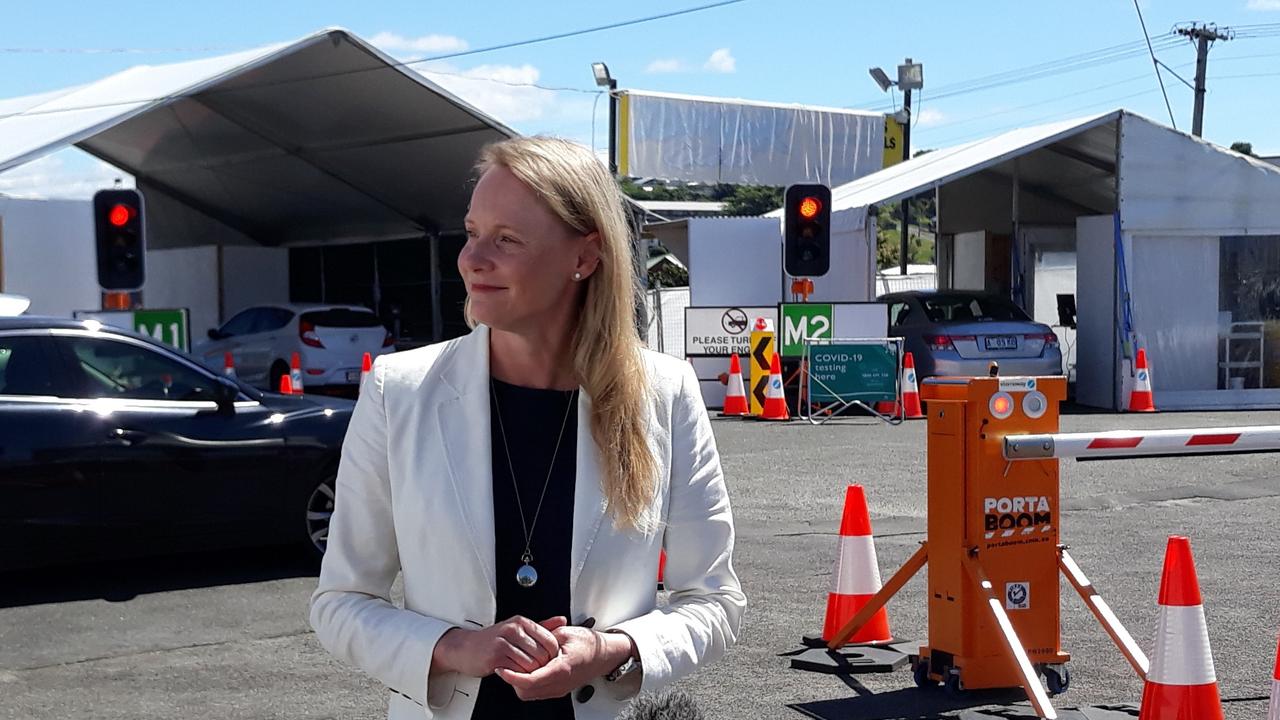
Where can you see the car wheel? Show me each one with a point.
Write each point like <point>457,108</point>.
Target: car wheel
<point>278,370</point>
<point>318,512</point>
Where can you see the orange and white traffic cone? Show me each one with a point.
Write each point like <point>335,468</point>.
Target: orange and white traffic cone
<point>228,364</point>
<point>295,373</point>
<point>366,367</point>
<point>1141,399</point>
<point>775,400</point>
<point>735,397</point>
<point>1273,712</point>
<point>856,577</point>
<point>910,389</point>
<point>286,385</point>
<point>1181,684</point>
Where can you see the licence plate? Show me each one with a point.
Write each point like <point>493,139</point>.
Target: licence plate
<point>1001,342</point>
<point>353,376</point>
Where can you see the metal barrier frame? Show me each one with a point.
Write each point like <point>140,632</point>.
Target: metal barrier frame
<point>805,405</point>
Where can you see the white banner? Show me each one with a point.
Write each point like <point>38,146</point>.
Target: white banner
<point>721,140</point>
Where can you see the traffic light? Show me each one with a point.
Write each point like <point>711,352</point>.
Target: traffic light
<point>120,239</point>
<point>806,230</point>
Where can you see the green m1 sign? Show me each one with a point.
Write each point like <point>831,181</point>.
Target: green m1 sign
<point>169,326</point>
<point>811,321</point>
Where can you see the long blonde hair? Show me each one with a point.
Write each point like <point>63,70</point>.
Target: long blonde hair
<point>606,345</point>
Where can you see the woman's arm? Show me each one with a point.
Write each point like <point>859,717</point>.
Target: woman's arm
<point>351,609</point>
<point>705,610</point>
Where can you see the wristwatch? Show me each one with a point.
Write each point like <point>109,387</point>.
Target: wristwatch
<point>623,670</point>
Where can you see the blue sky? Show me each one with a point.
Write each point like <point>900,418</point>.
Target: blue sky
<point>813,52</point>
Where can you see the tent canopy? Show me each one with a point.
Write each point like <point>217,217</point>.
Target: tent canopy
<point>322,139</point>
<point>1090,143</point>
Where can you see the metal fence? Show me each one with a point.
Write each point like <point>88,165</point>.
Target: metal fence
<point>666,320</point>
<point>887,283</point>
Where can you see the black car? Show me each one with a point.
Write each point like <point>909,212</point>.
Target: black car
<point>114,445</point>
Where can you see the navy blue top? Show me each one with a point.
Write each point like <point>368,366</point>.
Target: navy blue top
<point>532,419</point>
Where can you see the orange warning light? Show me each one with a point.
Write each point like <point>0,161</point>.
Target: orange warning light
<point>1001,405</point>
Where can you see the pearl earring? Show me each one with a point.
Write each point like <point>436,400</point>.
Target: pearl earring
<point>577,276</point>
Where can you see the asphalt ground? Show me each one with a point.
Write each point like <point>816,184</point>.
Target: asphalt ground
<point>226,636</point>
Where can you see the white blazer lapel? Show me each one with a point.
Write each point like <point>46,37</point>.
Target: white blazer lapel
<point>588,498</point>
<point>464,432</point>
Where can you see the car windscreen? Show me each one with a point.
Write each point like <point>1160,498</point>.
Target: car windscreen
<point>970,308</point>
<point>341,318</point>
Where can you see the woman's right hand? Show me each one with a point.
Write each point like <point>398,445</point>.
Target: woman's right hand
<point>517,643</point>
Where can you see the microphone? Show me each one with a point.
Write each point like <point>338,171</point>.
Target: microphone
<point>667,705</point>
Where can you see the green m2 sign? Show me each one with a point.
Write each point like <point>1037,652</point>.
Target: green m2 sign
<point>811,321</point>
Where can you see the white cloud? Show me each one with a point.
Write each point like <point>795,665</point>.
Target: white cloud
<point>929,116</point>
<point>66,174</point>
<point>721,61</point>
<point>665,65</point>
<point>1263,5</point>
<point>393,43</point>
<point>503,91</point>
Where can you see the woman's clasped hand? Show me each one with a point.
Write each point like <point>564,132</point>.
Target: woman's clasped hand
<point>540,660</point>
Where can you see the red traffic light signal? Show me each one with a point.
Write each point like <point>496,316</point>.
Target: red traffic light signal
<point>120,214</point>
<point>810,207</point>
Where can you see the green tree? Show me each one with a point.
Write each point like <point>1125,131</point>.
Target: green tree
<point>1244,148</point>
<point>753,200</point>
<point>920,246</point>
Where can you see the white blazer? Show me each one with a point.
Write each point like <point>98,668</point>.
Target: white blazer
<point>415,495</point>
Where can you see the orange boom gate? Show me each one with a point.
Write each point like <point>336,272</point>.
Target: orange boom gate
<point>993,546</point>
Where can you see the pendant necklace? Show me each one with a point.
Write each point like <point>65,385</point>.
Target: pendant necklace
<point>527,576</point>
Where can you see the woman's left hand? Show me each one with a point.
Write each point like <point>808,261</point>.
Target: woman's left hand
<point>584,655</point>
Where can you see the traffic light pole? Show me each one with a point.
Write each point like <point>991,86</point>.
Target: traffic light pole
<point>906,202</point>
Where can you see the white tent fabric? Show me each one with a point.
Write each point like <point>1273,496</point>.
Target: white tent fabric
<point>1223,193</point>
<point>941,166</point>
<point>321,139</point>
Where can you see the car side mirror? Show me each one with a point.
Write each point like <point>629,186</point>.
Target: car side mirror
<point>225,394</point>
<point>215,334</point>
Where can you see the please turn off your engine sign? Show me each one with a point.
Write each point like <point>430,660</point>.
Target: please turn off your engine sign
<point>722,331</point>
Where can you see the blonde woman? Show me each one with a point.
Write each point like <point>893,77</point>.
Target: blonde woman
<point>525,477</point>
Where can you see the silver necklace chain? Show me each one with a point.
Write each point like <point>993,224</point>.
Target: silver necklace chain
<point>527,557</point>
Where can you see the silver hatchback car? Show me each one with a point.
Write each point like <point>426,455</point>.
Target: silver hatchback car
<point>959,332</point>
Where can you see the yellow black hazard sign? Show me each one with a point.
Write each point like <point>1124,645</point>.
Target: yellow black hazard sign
<point>762,339</point>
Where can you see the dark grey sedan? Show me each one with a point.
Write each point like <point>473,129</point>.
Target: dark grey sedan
<point>959,332</point>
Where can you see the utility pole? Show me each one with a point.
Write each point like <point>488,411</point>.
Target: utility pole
<point>1202,35</point>
<point>904,245</point>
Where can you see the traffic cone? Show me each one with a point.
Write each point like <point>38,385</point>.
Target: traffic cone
<point>662,566</point>
<point>1273,713</point>
<point>1181,684</point>
<point>1141,398</point>
<point>735,398</point>
<point>295,373</point>
<point>286,385</point>
<point>366,367</point>
<point>775,400</point>
<point>228,364</point>
<point>910,390</point>
<point>856,576</point>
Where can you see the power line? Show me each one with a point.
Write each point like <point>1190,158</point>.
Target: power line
<point>585,31</point>
<point>1155,64</point>
<point>1057,66</point>
<point>408,63</point>
<point>115,51</point>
